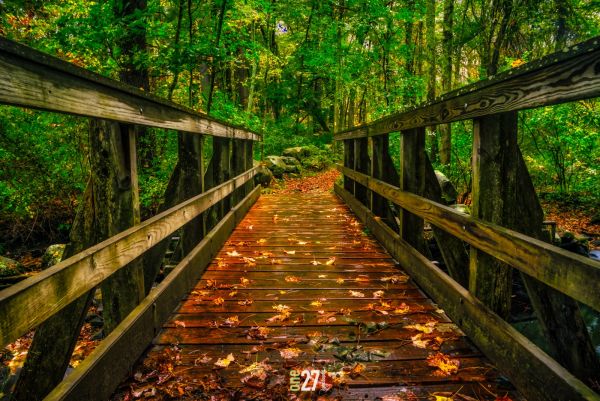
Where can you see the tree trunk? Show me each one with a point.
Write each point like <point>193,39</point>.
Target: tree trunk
<point>447,46</point>
<point>432,70</point>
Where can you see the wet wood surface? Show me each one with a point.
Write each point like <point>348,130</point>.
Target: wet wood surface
<point>305,271</point>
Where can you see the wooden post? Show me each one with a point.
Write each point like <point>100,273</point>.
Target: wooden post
<point>349,162</point>
<point>412,179</point>
<point>379,147</point>
<point>494,199</point>
<point>361,164</point>
<point>107,208</point>
<point>238,165</point>
<point>249,149</point>
<point>191,183</point>
<point>124,290</point>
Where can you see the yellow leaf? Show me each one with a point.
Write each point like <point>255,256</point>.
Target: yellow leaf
<point>330,261</point>
<point>339,280</point>
<point>316,304</point>
<point>302,242</point>
<point>426,328</point>
<point>218,301</point>
<point>418,342</point>
<point>357,294</point>
<point>446,365</point>
<point>261,241</point>
<point>315,262</point>
<point>234,253</point>
<point>179,323</point>
<point>225,362</point>
<point>378,294</point>
<point>289,353</point>
<point>290,252</point>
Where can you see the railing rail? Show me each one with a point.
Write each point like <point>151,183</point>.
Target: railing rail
<point>558,78</point>
<point>479,290</point>
<point>31,79</point>
<point>34,79</point>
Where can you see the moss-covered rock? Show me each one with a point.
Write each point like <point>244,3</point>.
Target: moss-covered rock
<point>53,255</point>
<point>9,267</point>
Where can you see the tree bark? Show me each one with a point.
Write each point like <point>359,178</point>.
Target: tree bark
<point>447,46</point>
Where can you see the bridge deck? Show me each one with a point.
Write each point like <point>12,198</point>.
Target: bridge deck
<point>331,298</point>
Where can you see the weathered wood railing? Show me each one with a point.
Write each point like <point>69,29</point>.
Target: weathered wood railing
<point>505,224</point>
<point>225,193</point>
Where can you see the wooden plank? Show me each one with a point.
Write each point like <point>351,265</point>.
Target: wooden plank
<point>36,80</point>
<point>99,374</point>
<point>30,302</point>
<point>534,373</point>
<point>571,274</point>
<point>557,78</point>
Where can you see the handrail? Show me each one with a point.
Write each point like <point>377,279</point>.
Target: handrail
<point>30,302</point>
<point>510,350</point>
<point>569,273</point>
<point>558,78</point>
<point>34,79</point>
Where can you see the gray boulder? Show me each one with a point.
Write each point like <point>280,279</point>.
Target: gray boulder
<point>290,161</point>
<point>449,193</point>
<point>53,255</point>
<point>9,267</point>
<point>276,165</point>
<point>298,152</point>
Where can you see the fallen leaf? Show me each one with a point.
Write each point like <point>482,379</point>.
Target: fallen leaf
<point>362,279</point>
<point>179,323</point>
<point>330,261</point>
<point>322,276</point>
<point>289,353</point>
<point>316,304</point>
<point>315,262</point>
<point>225,362</point>
<point>234,253</point>
<point>418,342</point>
<point>218,301</point>
<point>251,262</point>
<point>232,321</point>
<point>232,293</point>
<point>244,281</point>
<point>339,280</point>
<point>261,241</point>
<point>250,227</point>
<point>446,365</point>
<point>378,294</point>
<point>302,242</point>
<point>292,279</point>
<point>258,333</point>
<point>246,302</point>
<point>395,279</point>
<point>290,252</point>
<point>426,328</point>
<point>356,370</point>
<point>357,294</point>
<point>401,309</point>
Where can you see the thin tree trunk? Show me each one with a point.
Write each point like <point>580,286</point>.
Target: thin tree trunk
<point>447,46</point>
<point>213,72</point>
<point>177,51</point>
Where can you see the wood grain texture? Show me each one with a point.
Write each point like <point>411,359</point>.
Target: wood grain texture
<point>36,80</point>
<point>99,374</point>
<point>30,302</point>
<point>198,329</point>
<point>535,374</point>
<point>571,274</point>
<point>561,77</point>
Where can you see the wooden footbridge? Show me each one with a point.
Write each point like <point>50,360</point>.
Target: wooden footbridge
<point>341,285</point>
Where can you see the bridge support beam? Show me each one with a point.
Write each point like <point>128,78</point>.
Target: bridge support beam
<point>107,209</point>
<point>412,179</point>
<point>503,194</point>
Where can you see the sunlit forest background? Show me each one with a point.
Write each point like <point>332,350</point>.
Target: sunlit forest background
<point>296,72</point>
